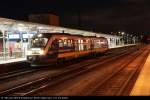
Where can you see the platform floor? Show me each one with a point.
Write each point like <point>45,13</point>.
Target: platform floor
<point>119,46</point>
<point>142,85</point>
<point>12,60</point>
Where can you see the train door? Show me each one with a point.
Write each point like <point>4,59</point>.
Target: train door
<point>53,50</point>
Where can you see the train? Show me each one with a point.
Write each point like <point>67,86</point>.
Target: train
<point>50,48</point>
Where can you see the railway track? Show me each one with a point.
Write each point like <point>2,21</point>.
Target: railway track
<point>117,82</point>
<point>84,85</point>
<point>34,86</point>
<point>59,89</point>
<point>12,74</point>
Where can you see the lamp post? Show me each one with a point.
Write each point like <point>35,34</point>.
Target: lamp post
<point>4,45</point>
<point>122,33</point>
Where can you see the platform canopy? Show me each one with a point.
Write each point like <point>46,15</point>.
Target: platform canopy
<point>15,25</point>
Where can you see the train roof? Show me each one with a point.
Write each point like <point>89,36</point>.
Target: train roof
<point>55,34</point>
<point>50,34</point>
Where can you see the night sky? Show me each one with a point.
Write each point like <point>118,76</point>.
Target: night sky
<point>93,15</point>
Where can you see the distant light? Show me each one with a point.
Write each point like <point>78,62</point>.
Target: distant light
<point>20,24</point>
<point>123,33</point>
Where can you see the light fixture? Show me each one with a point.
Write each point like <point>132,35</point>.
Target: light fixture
<point>123,33</point>
<point>39,35</point>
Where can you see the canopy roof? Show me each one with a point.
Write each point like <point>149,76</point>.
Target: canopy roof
<point>15,25</point>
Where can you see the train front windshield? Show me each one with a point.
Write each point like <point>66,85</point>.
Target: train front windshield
<point>37,45</point>
<point>39,42</point>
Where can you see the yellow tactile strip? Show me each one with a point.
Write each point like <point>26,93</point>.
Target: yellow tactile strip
<point>142,85</point>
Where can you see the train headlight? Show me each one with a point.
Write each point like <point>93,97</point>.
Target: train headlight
<point>41,52</point>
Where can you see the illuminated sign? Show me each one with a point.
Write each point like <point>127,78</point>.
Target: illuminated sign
<point>14,36</point>
<point>26,35</point>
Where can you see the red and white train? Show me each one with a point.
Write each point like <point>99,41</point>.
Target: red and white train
<point>49,48</point>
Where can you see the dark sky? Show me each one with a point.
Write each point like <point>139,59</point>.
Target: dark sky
<point>96,15</point>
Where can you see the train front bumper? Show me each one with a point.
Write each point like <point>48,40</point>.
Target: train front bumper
<point>38,61</point>
<point>35,59</point>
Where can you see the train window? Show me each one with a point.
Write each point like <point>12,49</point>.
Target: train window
<point>85,43</point>
<point>81,45</point>
<point>39,42</point>
<point>65,43</point>
<point>97,43</point>
<point>88,44</point>
<point>69,43</point>
<point>81,41</point>
<point>76,45</point>
<point>78,41</point>
<point>60,43</point>
<point>103,42</point>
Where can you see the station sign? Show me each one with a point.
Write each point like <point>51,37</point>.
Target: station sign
<point>14,36</point>
<point>25,36</point>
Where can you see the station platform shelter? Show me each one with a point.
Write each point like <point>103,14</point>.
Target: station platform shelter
<point>15,37</point>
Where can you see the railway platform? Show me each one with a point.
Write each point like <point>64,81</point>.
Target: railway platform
<point>119,46</point>
<point>9,61</point>
<point>142,84</point>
